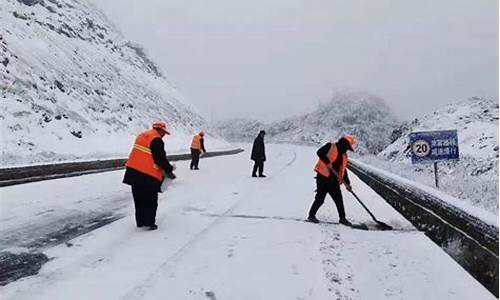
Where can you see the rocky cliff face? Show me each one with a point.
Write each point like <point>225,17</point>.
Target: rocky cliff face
<point>74,87</point>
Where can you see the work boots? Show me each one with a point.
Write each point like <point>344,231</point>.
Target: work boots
<point>312,219</point>
<point>152,227</point>
<point>345,222</point>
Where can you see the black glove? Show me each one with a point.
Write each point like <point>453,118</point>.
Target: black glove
<point>171,176</point>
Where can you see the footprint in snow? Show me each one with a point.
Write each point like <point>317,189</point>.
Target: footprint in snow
<point>196,209</point>
<point>210,295</point>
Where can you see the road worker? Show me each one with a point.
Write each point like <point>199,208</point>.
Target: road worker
<point>145,169</point>
<point>197,149</point>
<point>331,173</point>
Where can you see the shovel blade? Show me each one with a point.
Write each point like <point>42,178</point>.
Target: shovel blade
<point>383,226</point>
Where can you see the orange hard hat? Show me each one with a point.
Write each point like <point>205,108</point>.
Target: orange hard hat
<point>162,126</point>
<point>352,141</point>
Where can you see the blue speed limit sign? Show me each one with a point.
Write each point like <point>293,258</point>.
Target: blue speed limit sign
<point>431,146</point>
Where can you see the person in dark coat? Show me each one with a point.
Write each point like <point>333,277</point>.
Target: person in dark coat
<point>258,154</point>
<point>144,172</point>
<point>331,172</point>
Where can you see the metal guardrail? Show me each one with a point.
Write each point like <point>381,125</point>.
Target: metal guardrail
<point>19,175</point>
<point>468,240</point>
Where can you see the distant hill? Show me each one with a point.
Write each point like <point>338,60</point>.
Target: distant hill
<point>239,129</point>
<point>366,117</point>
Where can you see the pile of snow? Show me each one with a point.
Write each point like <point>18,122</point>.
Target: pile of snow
<point>73,87</point>
<point>365,116</point>
<point>474,178</point>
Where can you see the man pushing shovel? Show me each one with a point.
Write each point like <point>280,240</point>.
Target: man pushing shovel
<point>331,172</point>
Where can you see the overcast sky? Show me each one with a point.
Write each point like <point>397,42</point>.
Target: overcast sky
<point>268,59</point>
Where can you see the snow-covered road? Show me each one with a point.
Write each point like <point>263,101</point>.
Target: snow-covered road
<point>225,235</point>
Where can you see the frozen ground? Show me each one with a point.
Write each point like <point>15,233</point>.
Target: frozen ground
<point>225,235</point>
<point>474,178</point>
<point>477,211</point>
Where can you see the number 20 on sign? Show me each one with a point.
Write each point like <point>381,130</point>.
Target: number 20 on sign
<point>434,146</point>
<point>421,148</point>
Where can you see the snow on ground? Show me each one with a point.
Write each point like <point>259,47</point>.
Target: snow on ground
<point>31,210</point>
<point>225,235</point>
<point>474,178</point>
<point>174,144</point>
<point>477,211</point>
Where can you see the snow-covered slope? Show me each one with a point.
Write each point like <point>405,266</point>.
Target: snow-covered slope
<point>476,120</point>
<point>74,87</point>
<point>365,116</point>
<point>475,177</point>
<point>239,129</point>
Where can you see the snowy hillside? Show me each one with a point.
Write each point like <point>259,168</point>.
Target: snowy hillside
<point>365,116</point>
<point>475,177</point>
<point>239,130</point>
<point>476,120</point>
<point>73,87</point>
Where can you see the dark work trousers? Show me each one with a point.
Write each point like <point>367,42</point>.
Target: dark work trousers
<point>195,158</point>
<point>146,203</point>
<point>259,165</point>
<point>329,186</point>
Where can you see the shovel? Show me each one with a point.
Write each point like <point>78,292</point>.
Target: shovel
<point>380,225</point>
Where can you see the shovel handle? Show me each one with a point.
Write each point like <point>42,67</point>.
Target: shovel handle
<point>364,206</point>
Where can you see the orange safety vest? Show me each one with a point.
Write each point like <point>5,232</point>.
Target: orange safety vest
<point>196,143</point>
<point>322,168</point>
<point>141,158</point>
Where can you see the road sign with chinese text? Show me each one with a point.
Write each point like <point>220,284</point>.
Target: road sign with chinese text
<point>431,146</point>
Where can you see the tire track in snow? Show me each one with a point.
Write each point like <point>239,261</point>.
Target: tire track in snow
<point>288,164</point>
<point>140,290</point>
